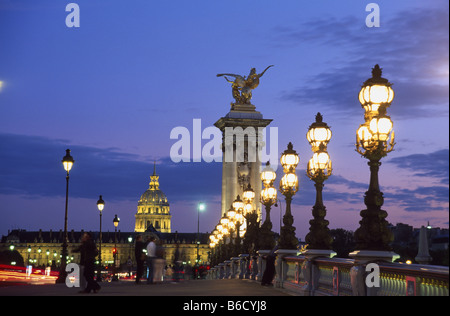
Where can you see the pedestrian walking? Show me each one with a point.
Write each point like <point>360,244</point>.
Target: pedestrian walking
<point>140,257</point>
<point>88,251</point>
<point>151,256</point>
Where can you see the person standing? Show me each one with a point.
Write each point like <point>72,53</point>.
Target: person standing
<point>88,251</point>
<point>151,256</point>
<point>140,257</point>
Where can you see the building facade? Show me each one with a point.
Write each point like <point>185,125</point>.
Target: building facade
<point>152,218</point>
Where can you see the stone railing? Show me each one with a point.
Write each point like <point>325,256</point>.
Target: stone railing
<point>324,276</point>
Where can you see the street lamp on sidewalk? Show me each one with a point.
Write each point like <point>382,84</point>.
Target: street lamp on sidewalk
<point>318,170</point>
<point>374,140</point>
<point>268,198</point>
<point>200,208</point>
<point>116,221</point>
<point>288,187</point>
<point>67,162</point>
<point>100,206</point>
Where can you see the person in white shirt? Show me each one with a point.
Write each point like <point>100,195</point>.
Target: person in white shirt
<point>151,256</point>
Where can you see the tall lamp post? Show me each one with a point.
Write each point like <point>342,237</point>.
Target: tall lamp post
<point>116,221</point>
<point>67,162</point>
<point>238,211</point>
<point>100,206</point>
<point>200,208</point>
<point>288,187</point>
<point>268,198</point>
<point>318,170</point>
<point>374,140</point>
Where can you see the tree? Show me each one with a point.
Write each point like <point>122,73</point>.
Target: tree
<point>343,242</point>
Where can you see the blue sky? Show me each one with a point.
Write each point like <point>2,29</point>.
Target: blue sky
<point>114,88</point>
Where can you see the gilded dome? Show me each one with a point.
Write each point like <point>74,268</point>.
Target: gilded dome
<point>153,210</point>
<point>153,196</point>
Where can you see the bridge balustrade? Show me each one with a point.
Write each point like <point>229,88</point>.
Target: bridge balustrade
<point>339,277</point>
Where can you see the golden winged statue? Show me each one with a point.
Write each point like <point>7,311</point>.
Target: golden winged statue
<point>242,86</point>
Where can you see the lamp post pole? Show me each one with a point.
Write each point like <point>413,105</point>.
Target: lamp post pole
<point>67,163</point>
<point>372,139</point>
<point>288,187</point>
<point>100,206</point>
<point>116,221</point>
<point>200,207</point>
<point>318,170</point>
<point>268,197</point>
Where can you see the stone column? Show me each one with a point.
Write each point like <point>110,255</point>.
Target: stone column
<point>281,266</point>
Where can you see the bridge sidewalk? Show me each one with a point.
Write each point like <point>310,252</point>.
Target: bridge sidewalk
<point>234,287</point>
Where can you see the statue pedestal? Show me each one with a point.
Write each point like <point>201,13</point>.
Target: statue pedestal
<point>243,107</point>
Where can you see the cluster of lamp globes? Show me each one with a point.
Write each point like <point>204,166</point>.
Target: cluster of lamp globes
<point>375,136</point>
<point>233,223</point>
<point>318,135</point>
<point>374,139</point>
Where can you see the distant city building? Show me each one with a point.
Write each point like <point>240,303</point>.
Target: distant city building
<point>153,208</point>
<point>153,218</point>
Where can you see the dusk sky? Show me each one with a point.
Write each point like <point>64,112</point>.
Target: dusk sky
<point>114,88</point>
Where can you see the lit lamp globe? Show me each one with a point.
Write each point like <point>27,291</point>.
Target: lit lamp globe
<point>225,232</point>
<point>319,165</point>
<point>248,195</point>
<point>224,221</point>
<point>268,175</point>
<point>363,136</point>
<point>116,221</point>
<point>231,215</point>
<point>289,159</point>
<point>248,208</point>
<point>239,218</point>
<point>269,196</point>
<point>376,93</point>
<point>100,204</point>
<point>380,127</point>
<point>289,183</point>
<point>67,161</point>
<point>318,133</point>
<point>238,204</point>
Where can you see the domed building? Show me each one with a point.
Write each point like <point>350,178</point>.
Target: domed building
<point>153,209</point>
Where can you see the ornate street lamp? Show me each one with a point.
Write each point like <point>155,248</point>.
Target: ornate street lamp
<point>288,187</point>
<point>100,206</point>
<point>268,198</point>
<point>116,221</point>
<point>67,162</point>
<point>318,170</point>
<point>200,208</point>
<point>374,139</point>
<point>28,259</point>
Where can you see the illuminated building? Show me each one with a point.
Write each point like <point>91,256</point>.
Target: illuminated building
<point>153,218</point>
<point>153,208</point>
